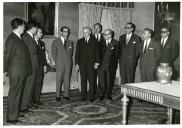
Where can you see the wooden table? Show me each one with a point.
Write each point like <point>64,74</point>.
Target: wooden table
<point>166,95</point>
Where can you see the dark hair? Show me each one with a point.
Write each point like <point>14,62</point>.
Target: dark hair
<point>17,22</point>
<point>64,28</point>
<point>98,25</point>
<point>132,25</point>
<point>150,31</point>
<point>167,28</point>
<point>31,24</point>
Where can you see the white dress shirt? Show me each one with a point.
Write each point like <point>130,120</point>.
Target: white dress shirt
<point>146,44</point>
<point>108,42</point>
<point>30,34</point>
<point>17,34</point>
<point>163,41</point>
<point>97,36</point>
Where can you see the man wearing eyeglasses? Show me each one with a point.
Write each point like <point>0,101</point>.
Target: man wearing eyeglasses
<point>129,53</point>
<point>169,47</point>
<point>62,52</point>
<point>149,56</point>
<point>108,66</point>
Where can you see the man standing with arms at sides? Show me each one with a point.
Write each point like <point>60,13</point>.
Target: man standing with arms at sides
<point>108,66</point>
<point>62,52</point>
<point>29,40</point>
<point>169,47</point>
<point>129,53</point>
<point>87,61</point>
<point>149,56</point>
<point>100,41</point>
<point>41,67</point>
<point>17,65</point>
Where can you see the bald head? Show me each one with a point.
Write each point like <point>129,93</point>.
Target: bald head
<point>86,32</point>
<point>108,34</point>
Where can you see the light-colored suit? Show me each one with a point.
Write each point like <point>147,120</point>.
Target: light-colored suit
<point>63,61</point>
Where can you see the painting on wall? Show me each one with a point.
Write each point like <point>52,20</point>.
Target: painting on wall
<point>46,15</point>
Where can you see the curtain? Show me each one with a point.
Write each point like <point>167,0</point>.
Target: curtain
<point>106,19</point>
<point>88,16</point>
<point>119,17</point>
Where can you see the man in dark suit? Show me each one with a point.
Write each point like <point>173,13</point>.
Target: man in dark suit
<point>99,37</point>
<point>29,40</point>
<point>18,66</point>
<point>62,52</point>
<point>41,67</point>
<point>87,60</point>
<point>100,41</point>
<point>129,53</point>
<point>149,56</point>
<point>169,47</point>
<point>108,65</point>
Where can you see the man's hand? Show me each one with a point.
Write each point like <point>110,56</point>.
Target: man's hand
<point>77,68</point>
<point>96,65</point>
<point>45,69</point>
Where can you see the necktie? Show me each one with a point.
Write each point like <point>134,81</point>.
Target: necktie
<point>127,39</point>
<point>97,37</point>
<point>85,40</point>
<point>145,47</point>
<point>65,44</point>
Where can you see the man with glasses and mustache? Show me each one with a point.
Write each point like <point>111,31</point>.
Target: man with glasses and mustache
<point>108,65</point>
<point>169,47</point>
<point>129,53</point>
<point>62,52</point>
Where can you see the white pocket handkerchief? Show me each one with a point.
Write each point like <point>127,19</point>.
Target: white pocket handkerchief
<point>112,47</point>
<point>151,48</point>
<point>134,42</point>
<point>70,47</point>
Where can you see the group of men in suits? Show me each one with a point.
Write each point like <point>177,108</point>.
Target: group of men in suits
<point>24,64</point>
<point>97,56</point>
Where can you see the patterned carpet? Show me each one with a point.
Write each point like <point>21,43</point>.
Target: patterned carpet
<point>96,113</point>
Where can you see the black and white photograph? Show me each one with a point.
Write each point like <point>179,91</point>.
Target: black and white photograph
<point>91,63</point>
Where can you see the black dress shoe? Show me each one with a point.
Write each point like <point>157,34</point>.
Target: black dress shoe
<point>102,98</point>
<point>91,100</point>
<point>14,121</point>
<point>66,98</point>
<point>26,111</point>
<point>109,98</point>
<point>58,98</point>
<point>40,103</point>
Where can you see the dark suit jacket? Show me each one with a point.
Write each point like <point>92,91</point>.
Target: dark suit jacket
<point>16,58</point>
<point>61,56</point>
<point>41,54</point>
<point>129,53</point>
<point>100,44</point>
<point>150,59</point>
<point>110,55</point>
<point>32,48</point>
<point>169,52</point>
<point>86,52</point>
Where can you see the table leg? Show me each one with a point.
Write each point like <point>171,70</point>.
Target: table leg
<point>124,108</point>
<point>170,115</point>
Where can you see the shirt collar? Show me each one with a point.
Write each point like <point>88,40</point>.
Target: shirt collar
<point>30,34</point>
<point>129,35</point>
<point>63,39</point>
<point>109,41</point>
<point>36,40</point>
<point>17,34</point>
<point>164,39</point>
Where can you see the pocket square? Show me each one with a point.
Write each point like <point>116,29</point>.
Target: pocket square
<point>151,48</point>
<point>70,47</point>
<point>112,47</point>
<point>134,42</point>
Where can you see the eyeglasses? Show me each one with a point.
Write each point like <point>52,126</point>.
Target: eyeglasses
<point>127,27</point>
<point>164,31</point>
<point>106,34</point>
<point>66,31</point>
